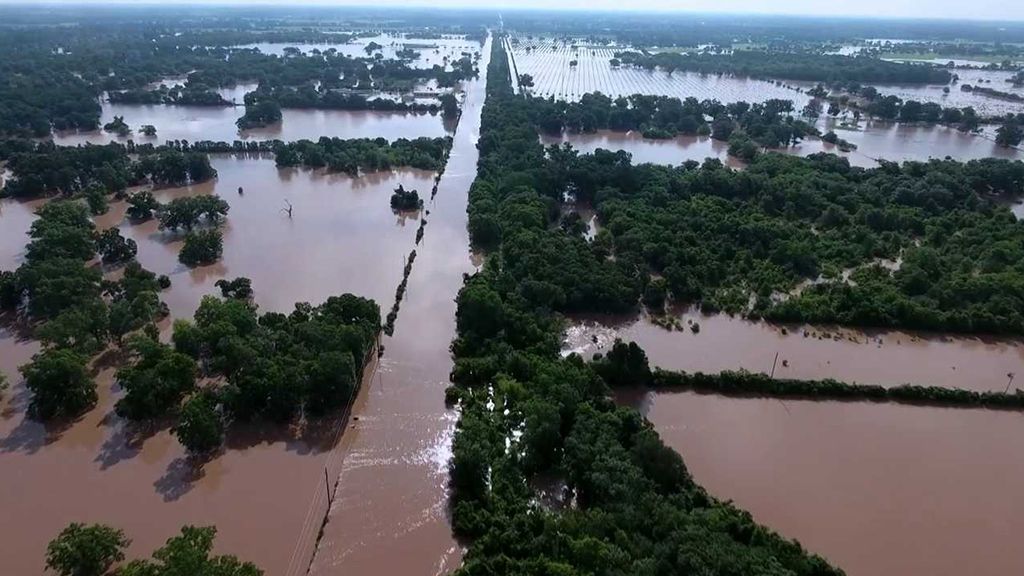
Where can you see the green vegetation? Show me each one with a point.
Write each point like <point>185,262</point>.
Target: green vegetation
<point>721,237</point>
<point>767,124</point>
<point>351,156</point>
<point>630,506</point>
<point>626,365</point>
<point>751,384</point>
<point>274,366</point>
<point>189,212</point>
<point>60,384</point>
<point>155,379</point>
<point>201,247</point>
<point>81,550</point>
<point>92,550</point>
<point>45,169</point>
<point>406,200</point>
<point>74,311</point>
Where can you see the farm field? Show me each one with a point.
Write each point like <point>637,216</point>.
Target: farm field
<point>549,65</point>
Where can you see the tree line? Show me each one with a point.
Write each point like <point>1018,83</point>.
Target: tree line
<point>626,365</point>
<point>786,65</point>
<point>45,169</point>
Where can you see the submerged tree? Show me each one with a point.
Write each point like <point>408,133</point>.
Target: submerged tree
<point>201,248</point>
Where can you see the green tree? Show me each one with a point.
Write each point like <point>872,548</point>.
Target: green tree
<point>200,428</point>
<point>202,248</point>
<point>189,554</point>
<point>60,384</point>
<point>81,550</point>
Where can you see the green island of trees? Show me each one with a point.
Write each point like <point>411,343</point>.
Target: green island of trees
<point>627,504</point>
<point>768,124</point>
<point>406,200</point>
<point>73,311</point>
<point>45,169</point>
<point>368,154</point>
<point>276,367</point>
<point>95,549</point>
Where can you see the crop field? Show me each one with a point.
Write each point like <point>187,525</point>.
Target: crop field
<point>548,62</point>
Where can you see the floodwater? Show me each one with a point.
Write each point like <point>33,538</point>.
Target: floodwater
<point>553,76</point>
<point>261,492</point>
<point>16,217</point>
<point>390,513</point>
<point>875,140</point>
<point>886,358</point>
<point>874,488</point>
<point>195,123</point>
<point>672,151</point>
<point>983,104</point>
<point>433,52</point>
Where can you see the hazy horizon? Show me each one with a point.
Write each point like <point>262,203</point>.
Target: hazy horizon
<point>992,10</point>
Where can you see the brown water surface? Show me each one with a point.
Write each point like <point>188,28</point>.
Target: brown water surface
<point>195,123</point>
<point>390,514</point>
<point>810,352</point>
<point>877,489</point>
<point>343,237</point>
<point>874,140</point>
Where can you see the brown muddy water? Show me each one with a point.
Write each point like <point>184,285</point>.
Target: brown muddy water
<point>877,489</point>
<point>390,514</point>
<point>432,52</point>
<point>809,352</point>
<point>553,76</point>
<point>874,140</point>
<point>343,237</point>
<point>195,123</point>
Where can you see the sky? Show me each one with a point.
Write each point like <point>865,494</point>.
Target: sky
<point>946,9</point>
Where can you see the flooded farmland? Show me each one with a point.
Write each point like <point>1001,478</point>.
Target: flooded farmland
<point>549,65</point>
<point>343,237</point>
<point>195,123</point>
<point>874,488</point>
<point>809,352</point>
<point>432,52</point>
<point>874,140</point>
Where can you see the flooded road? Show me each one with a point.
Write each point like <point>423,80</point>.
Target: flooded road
<point>877,489</point>
<point>390,514</point>
<point>195,123</point>
<point>886,358</point>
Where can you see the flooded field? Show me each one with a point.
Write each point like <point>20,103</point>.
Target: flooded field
<point>343,237</point>
<point>432,52</point>
<point>874,140</point>
<point>983,104</point>
<point>194,123</point>
<point>553,76</point>
<point>875,488</point>
<point>809,352</point>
